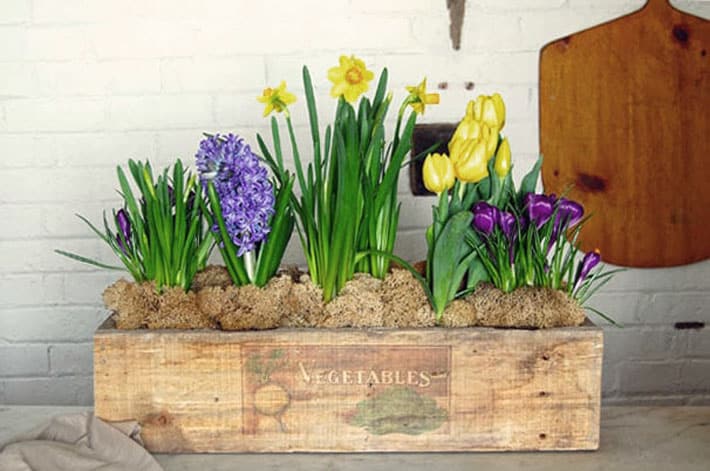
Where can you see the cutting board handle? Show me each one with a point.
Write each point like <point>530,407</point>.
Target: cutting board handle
<point>657,5</point>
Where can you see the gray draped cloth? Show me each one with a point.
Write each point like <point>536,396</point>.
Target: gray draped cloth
<point>79,442</point>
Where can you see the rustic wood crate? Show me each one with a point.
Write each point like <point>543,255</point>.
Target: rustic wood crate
<point>353,390</point>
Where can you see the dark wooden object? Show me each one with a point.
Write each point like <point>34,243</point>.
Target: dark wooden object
<point>624,120</point>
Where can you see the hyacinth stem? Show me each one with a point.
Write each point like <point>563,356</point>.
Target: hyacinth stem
<point>249,264</point>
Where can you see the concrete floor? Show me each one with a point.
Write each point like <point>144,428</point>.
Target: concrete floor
<point>632,438</point>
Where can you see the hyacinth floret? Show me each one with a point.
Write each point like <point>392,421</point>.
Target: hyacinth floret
<point>243,187</point>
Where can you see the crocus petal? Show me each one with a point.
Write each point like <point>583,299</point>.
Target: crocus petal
<point>590,260</point>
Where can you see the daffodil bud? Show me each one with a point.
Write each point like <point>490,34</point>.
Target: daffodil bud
<point>471,165</point>
<point>438,173</point>
<point>502,165</point>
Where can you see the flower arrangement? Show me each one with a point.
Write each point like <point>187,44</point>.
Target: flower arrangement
<point>348,212</point>
<point>159,236</point>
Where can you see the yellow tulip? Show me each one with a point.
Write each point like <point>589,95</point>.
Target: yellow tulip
<point>500,108</point>
<point>350,79</point>
<point>438,173</point>
<point>467,129</point>
<point>490,110</point>
<point>419,98</point>
<point>502,165</point>
<point>459,148</point>
<point>276,99</point>
<point>490,135</point>
<point>471,165</point>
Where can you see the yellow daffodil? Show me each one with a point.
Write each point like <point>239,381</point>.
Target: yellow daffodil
<point>276,99</point>
<point>418,97</point>
<point>438,173</point>
<point>472,165</point>
<point>502,165</point>
<point>350,79</point>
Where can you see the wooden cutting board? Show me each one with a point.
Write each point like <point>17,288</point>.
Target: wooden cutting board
<point>625,121</point>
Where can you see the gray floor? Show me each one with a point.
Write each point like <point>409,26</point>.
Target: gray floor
<point>632,438</point>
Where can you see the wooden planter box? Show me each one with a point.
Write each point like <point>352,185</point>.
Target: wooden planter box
<point>324,390</point>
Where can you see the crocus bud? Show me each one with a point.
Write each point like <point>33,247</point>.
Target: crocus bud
<point>438,173</point>
<point>507,223</point>
<point>471,165</point>
<point>123,223</point>
<point>502,165</point>
<point>570,213</point>
<point>589,261</point>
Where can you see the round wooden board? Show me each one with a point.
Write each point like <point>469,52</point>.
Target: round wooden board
<point>625,128</point>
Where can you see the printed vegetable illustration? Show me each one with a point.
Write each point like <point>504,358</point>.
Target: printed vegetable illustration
<point>399,410</point>
<point>270,399</point>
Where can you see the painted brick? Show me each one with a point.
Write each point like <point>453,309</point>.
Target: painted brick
<point>89,77</point>
<point>15,11</point>
<point>213,74</point>
<point>661,308</point>
<point>62,391</point>
<point>87,288</point>
<point>23,360</point>
<point>32,115</point>
<point>696,376</point>
<point>699,343</point>
<point>21,221</point>
<point>50,324</point>
<point>23,151</point>
<point>648,377</point>
<point>71,359</point>
<point>159,112</point>
<point>31,290</point>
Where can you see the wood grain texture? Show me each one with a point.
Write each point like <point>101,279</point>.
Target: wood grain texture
<point>353,390</point>
<point>624,119</point>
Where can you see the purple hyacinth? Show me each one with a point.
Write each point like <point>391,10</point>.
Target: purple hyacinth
<point>485,218</point>
<point>243,187</point>
<point>539,208</point>
<point>124,225</point>
<point>589,261</point>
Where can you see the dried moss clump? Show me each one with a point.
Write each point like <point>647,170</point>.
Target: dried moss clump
<point>178,309</point>
<point>405,303</point>
<point>525,307</point>
<point>359,304</point>
<point>213,275</point>
<point>132,303</point>
<point>303,305</point>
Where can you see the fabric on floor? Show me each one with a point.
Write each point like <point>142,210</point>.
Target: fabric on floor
<point>79,442</point>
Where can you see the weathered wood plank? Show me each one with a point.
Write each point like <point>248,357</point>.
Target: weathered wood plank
<point>353,390</point>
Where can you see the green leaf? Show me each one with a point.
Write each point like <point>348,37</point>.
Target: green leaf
<point>449,249</point>
<point>89,261</point>
<point>529,182</point>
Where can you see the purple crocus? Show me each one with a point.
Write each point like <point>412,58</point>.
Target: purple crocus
<point>539,208</point>
<point>589,261</point>
<point>124,225</point>
<point>568,215</point>
<point>485,218</point>
<point>243,187</point>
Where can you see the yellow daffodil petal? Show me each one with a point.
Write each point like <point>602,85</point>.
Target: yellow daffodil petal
<point>503,158</point>
<point>418,97</point>
<point>438,173</point>
<point>472,166</point>
<point>276,99</point>
<point>350,78</point>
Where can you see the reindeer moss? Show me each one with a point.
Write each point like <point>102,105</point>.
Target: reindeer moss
<point>292,300</point>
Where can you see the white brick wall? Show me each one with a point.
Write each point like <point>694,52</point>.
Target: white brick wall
<point>86,84</point>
